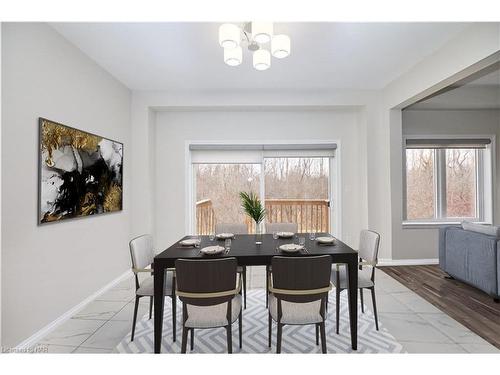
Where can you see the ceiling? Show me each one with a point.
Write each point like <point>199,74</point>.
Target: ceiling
<point>186,56</point>
<point>482,92</point>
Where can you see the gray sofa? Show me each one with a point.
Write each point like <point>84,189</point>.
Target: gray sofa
<point>471,257</point>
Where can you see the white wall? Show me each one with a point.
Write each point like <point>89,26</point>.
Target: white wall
<point>46,270</point>
<point>420,243</point>
<point>173,129</point>
<point>473,49</point>
<point>0,184</point>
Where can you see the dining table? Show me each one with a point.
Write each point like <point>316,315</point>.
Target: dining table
<point>256,250</point>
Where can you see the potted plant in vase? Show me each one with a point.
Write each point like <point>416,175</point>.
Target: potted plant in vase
<point>253,208</point>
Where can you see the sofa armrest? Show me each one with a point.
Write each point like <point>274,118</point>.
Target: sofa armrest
<point>498,268</point>
<point>442,245</point>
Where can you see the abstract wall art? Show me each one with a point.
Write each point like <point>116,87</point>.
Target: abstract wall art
<point>80,173</point>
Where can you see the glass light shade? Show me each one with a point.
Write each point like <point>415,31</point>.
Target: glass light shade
<point>280,46</point>
<point>229,35</point>
<point>262,32</point>
<point>233,56</point>
<point>261,59</point>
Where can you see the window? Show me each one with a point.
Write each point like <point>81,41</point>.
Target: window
<point>420,186</point>
<point>217,193</point>
<point>445,180</point>
<point>293,181</point>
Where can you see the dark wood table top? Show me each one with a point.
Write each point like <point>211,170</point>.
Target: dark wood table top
<point>248,253</point>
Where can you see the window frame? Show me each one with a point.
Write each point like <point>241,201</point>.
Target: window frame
<point>303,148</point>
<point>485,171</point>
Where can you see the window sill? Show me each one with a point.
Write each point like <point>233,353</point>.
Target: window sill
<point>434,224</point>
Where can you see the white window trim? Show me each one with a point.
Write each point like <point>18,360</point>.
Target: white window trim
<point>335,188</point>
<point>486,191</point>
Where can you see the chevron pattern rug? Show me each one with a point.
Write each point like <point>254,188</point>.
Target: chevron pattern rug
<point>296,339</point>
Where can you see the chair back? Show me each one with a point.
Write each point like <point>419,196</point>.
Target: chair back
<point>231,228</point>
<point>142,251</point>
<point>198,276</point>
<point>282,227</point>
<point>301,274</point>
<point>368,245</point>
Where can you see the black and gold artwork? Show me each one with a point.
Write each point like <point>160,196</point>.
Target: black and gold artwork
<point>80,173</point>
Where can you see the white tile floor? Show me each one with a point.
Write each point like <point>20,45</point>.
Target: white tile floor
<point>415,323</point>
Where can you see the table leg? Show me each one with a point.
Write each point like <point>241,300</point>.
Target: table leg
<point>159,299</point>
<point>352,268</point>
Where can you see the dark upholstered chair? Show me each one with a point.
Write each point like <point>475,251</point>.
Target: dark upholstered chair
<point>142,254</point>
<point>298,294</point>
<point>209,290</point>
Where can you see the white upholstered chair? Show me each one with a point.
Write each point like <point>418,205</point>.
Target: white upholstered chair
<point>368,252</point>
<point>282,227</point>
<point>142,254</point>
<point>236,229</point>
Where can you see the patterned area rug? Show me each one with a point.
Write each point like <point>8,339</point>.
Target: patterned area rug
<point>296,339</point>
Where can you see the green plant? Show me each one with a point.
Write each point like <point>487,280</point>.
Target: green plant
<point>252,206</point>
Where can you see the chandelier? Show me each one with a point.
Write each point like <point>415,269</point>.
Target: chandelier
<point>258,38</point>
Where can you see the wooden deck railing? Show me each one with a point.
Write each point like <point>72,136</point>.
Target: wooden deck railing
<point>311,215</point>
<point>205,218</point>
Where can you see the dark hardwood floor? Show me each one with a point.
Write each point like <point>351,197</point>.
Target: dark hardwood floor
<point>474,309</point>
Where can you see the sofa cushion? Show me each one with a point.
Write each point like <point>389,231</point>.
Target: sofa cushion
<point>490,230</point>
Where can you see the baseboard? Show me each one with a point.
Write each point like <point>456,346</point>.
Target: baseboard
<point>406,262</point>
<point>34,339</point>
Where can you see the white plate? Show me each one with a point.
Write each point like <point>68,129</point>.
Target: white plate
<point>224,236</point>
<point>325,239</point>
<point>291,248</point>
<point>285,234</point>
<point>190,242</point>
<point>212,250</point>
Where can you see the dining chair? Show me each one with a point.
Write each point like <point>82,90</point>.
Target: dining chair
<point>142,254</point>
<point>368,252</point>
<point>299,289</point>
<point>209,290</point>
<point>277,227</point>
<point>282,227</point>
<point>236,229</point>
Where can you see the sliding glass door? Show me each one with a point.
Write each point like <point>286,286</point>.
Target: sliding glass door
<point>295,187</point>
<point>297,191</point>
<point>217,193</point>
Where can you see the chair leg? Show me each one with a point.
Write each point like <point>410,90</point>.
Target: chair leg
<point>240,330</point>
<point>374,307</point>
<point>362,302</point>
<point>150,307</point>
<point>192,339</point>
<point>229,339</point>
<point>278,338</point>
<point>270,330</point>
<point>245,286</point>
<point>135,317</point>
<point>326,303</point>
<point>184,339</point>
<point>337,308</point>
<point>174,317</point>
<point>267,287</point>
<point>317,333</point>
<point>323,337</point>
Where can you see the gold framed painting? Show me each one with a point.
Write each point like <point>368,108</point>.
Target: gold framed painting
<point>80,173</point>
